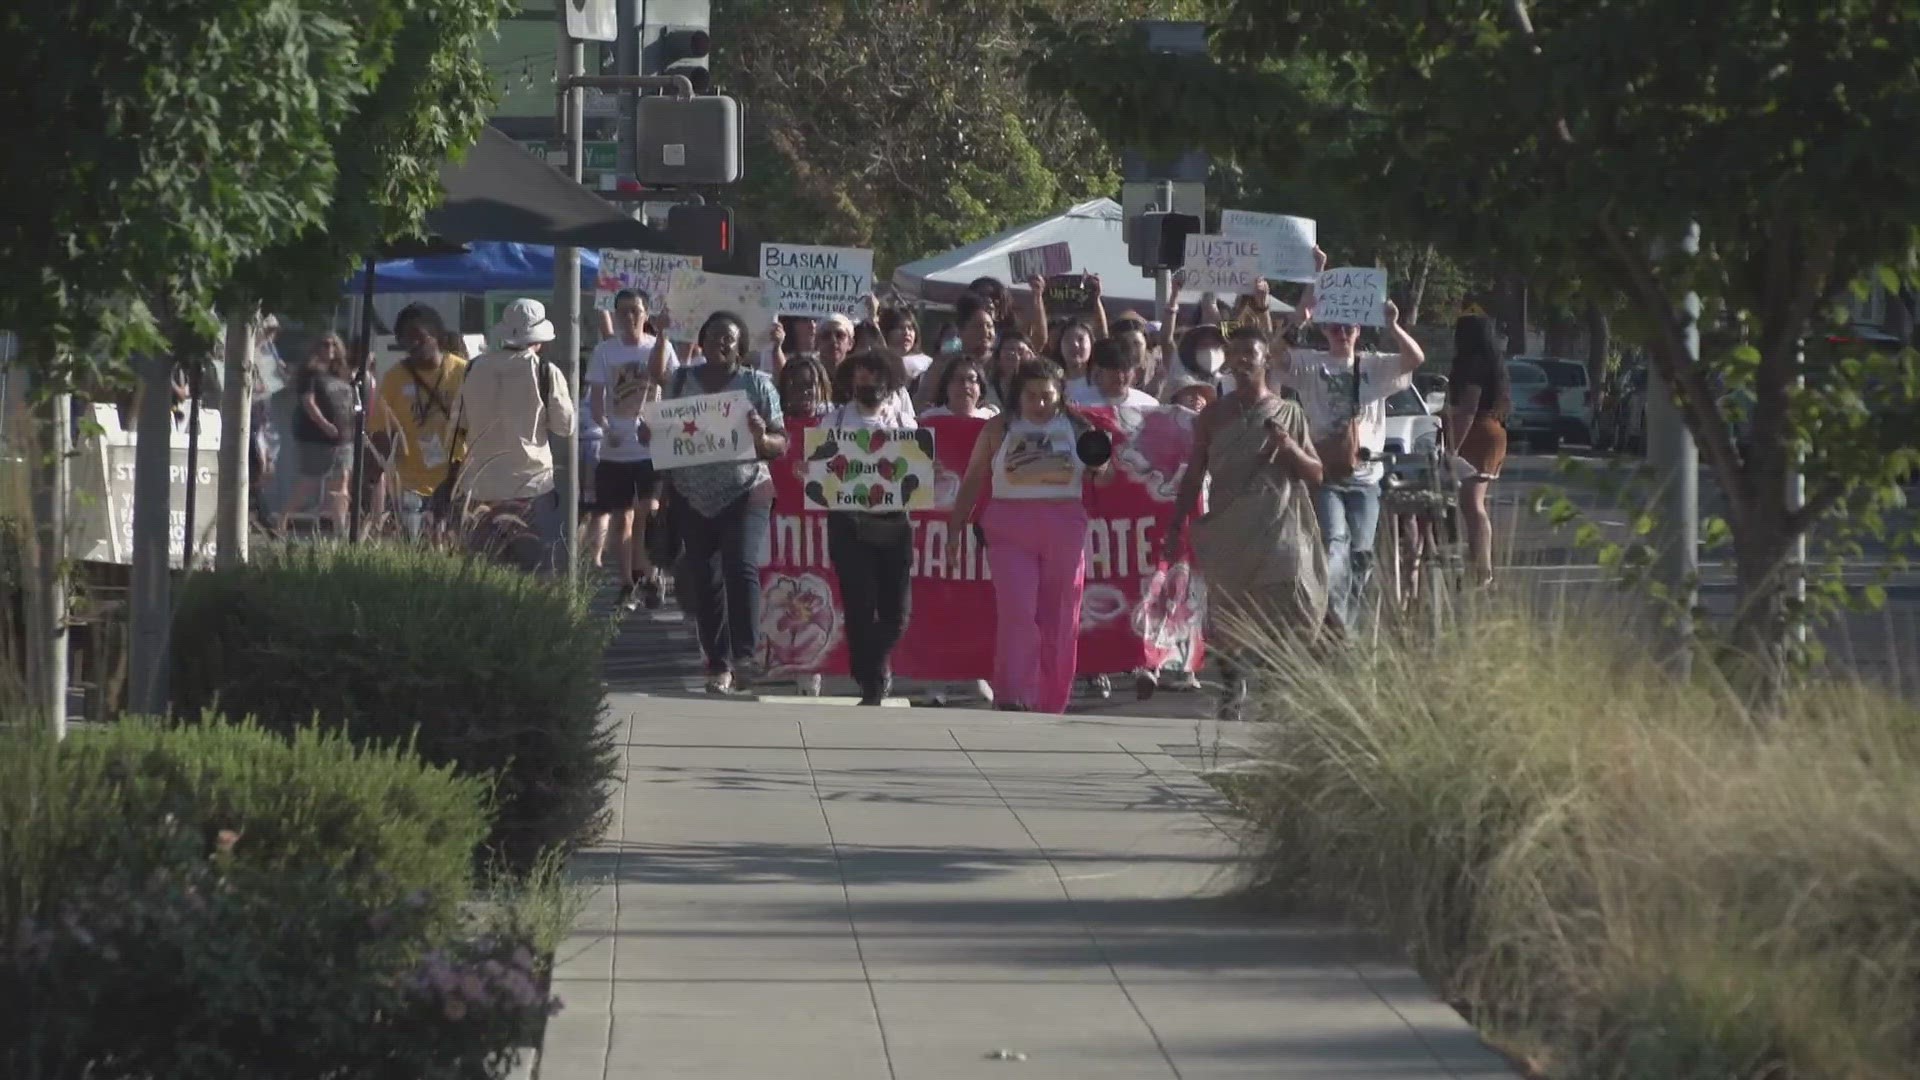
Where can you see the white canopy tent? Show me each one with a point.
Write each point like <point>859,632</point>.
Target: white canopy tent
<point>1093,232</point>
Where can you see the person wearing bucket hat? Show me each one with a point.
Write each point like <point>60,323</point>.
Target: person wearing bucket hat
<point>512,404</point>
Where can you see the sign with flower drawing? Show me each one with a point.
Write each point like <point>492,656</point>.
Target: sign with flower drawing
<point>704,429</point>
<point>870,470</point>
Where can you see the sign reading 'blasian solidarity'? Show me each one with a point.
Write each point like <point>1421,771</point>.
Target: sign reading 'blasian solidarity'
<point>815,281</point>
<point>871,470</point>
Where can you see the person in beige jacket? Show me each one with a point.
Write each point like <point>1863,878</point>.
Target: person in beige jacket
<point>511,405</point>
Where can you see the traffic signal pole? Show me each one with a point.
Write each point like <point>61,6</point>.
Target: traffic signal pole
<point>566,293</point>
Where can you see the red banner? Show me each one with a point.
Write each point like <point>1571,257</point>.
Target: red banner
<point>1134,614</point>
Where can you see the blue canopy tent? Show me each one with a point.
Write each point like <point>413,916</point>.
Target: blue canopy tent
<point>487,266</point>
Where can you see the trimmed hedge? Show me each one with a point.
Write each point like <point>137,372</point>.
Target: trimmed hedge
<point>219,902</point>
<point>492,671</point>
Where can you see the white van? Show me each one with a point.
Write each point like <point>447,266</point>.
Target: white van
<point>1569,377</point>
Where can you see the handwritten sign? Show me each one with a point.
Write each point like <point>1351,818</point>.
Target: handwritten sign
<point>869,470</point>
<point>1351,296</point>
<point>1068,295</point>
<point>1043,261</point>
<point>648,271</point>
<point>1286,243</point>
<point>698,294</point>
<point>1222,264</point>
<point>805,279</point>
<point>704,429</point>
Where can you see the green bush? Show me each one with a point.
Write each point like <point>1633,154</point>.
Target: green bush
<point>487,669</point>
<point>1625,875</point>
<point>219,902</point>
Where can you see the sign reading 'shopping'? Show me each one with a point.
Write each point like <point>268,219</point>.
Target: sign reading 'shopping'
<point>815,281</point>
<point>869,470</point>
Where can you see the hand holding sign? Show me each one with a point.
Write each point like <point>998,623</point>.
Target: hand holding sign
<point>869,470</point>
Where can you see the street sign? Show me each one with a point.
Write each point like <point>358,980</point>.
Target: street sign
<point>593,20</point>
<point>603,155</point>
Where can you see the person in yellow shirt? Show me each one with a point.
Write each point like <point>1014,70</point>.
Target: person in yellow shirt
<point>413,425</point>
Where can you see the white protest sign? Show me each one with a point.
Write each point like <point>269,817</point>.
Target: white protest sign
<point>806,279</point>
<point>698,294</point>
<point>1286,243</point>
<point>699,430</point>
<point>1351,296</point>
<point>649,271</point>
<point>1222,264</point>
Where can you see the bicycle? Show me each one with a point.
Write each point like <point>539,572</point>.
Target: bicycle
<point>1418,545</point>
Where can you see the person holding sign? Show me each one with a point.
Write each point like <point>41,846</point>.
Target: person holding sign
<point>722,510</point>
<point>871,546</point>
<point>1035,527</point>
<point>1345,394</point>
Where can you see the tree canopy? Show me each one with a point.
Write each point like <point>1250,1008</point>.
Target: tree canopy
<point>904,125</point>
<point>1587,138</point>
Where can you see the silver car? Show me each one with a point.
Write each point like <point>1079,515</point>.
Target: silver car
<point>1536,407</point>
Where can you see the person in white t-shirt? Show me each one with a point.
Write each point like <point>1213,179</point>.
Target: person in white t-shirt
<point>1344,392</point>
<point>620,380</point>
<point>1109,381</point>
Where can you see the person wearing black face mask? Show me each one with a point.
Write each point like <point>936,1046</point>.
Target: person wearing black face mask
<point>872,550</point>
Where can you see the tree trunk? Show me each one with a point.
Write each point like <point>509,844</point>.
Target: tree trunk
<point>1517,322</point>
<point>1599,346</point>
<point>1422,267</point>
<point>45,580</point>
<point>1762,644</point>
<point>236,443</point>
<point>150,601</point>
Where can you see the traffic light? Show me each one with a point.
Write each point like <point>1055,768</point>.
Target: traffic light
<point>706,231</point>
<point>1159,241</point>
<point>674,40</point>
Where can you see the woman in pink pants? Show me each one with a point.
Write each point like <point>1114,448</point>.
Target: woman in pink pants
<point>1035,528</point>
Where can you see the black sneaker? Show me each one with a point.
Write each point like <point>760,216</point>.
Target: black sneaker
<point>627,602</point>
<point>876,694</point>
<point>651,594</point>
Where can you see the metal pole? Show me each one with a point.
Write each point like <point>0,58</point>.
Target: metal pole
<point>626,62</point>
<point>1673,452</point>
<point>357,474</point>
<point>1162,279</point>
<point>566,293</point>
<point>196,379</point>
<point>150,606</point>
<point>1797,498</point>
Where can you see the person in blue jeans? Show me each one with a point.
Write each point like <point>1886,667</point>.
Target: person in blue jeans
<point>721,510</point>
<point>1344,391</point>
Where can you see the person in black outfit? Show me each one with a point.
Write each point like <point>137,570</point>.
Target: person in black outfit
<point>871,550</point>
<point>323,431</point>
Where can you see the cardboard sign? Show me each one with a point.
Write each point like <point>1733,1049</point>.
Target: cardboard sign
<point>1286,243</point>
<point>1222,264</point>
<point>648,271</point>
<point>805,279</point>
<point>1351,296</point>
<point>704,429</point>
<point>869,470</point>
<point>1043,261</point>
<point>698,294</point>
<point>1068,295</point>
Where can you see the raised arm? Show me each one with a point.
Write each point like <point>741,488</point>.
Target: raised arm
<point>1170,318</point>
<point>657,363</point>
<point>1304,313</point>
<point>1037,312</point>
<point>1411,354</point>
<point>1100,328</point>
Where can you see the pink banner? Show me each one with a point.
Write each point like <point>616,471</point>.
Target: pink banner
<point>1135,614</point>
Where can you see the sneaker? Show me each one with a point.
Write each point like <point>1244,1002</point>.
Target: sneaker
<point>743,675</point>
<point>628,601</point>
<point>809,685</point>
<point>720,682</point>
<point>1102,686</point>
<point>652,594</point>
<point>1144,684</point>
<point>876,694</point>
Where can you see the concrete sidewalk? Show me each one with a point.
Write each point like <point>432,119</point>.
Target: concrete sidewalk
<point>808,891</point>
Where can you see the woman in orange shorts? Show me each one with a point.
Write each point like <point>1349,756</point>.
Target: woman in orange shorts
<point>1478,400</point>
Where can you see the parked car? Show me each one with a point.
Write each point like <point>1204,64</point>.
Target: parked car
<point>1536,407</point>
<point>1413,424</point>
<point>1621,422</point>
<point>1433,387</point>
<point>1569,378</point>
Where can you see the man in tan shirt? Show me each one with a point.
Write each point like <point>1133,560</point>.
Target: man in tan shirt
<point>512,403</point>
